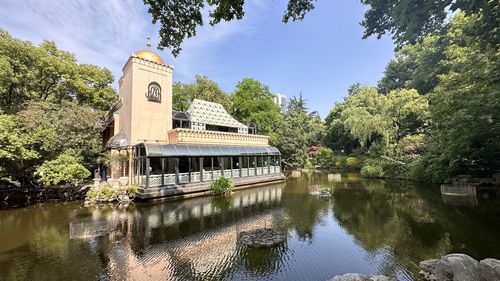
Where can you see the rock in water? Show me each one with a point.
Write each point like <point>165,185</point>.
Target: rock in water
<point>428,269</point>
<point>489,270</point>
<point>457,267</point>
<point>263,237</point>
<point>359,277</point>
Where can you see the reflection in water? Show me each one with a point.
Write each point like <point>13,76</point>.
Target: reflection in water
<point>366,226</point>
<point>459,195</point>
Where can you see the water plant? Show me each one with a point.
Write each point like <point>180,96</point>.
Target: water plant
<point>106,193</point>
<point>222,186</point>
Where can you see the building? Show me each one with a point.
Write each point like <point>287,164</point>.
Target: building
<point>168,152</point>
<point>280,101</point>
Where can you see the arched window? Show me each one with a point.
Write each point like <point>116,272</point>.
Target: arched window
<point>252,129</point>
<point>181,120</point>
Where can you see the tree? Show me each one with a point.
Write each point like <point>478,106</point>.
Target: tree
<point>45,73</point>
<point>298,104</point>
<point>465,132</point>
<point>66,168</point>
<point>292,140</point>
<point>252,103</point>
<point>179,19</point>
<point>410,21</point>
<point>337,136</point>
<point>203,88</point>
<point>362,115</point>
<point>407,113</point>
<point>406,21</point>
<point>416,66</point>
<point>367,116</point>
<point>298,131</point>
<point>42,132</point>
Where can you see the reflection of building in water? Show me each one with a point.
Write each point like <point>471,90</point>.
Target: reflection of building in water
<point>459,195</point>
<point>198,208</point>
<point>189,238</point>
<point>200,256</point>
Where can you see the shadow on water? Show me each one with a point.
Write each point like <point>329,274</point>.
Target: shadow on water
<point>366,226</point>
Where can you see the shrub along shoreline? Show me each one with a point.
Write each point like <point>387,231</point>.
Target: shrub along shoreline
<point>14,197</point>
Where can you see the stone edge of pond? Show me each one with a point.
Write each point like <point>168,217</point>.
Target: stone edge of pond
<point>458,266</point>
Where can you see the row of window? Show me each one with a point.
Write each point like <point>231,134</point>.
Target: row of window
<point>179,170</point>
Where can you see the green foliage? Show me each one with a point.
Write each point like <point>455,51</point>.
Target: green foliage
<point>337,136</point>
<point>323,157</point>
<point>222,186</point>
<point>410,21</point>
<point>179,19</point>
<point>353,163</point>
<point>407,21</point>
<point>415,66</point>
<point>43,131</point>
<point>252,102</point>
<point>372,169</point>
<point>202,88</point>
<point>106,193</point>
<point>132,190</point>
<point>298,131</point>
<point>371,117</point>
<point>64,169</point>
<point>49,105</point>
<point>326,159</point>
<point>45,73</point>
<point>292,141</point>
<point>464,106</point>
<point>453,129</point>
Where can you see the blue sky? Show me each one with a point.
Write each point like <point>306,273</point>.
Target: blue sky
<point>320,56</point>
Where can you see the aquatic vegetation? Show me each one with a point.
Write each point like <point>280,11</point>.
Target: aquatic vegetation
<point>222,186</point>
<point>106,193</point>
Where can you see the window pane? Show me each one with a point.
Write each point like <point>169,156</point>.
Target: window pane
<point>155,178</point>
<point>195,169</point>
<point>183,169</point>
<point>227,167</point>
<point>155,164</point>
<point>207,168</point>
<point>217,167</point>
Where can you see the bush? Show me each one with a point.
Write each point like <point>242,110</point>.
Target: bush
<point>132,190</point>
<point>222,186</point>
<point>353,163</point>
<point>372,169</point>
<point>340,162</point>
<point>64,169</point>
<point>323,157</point>
<point>106,193</point>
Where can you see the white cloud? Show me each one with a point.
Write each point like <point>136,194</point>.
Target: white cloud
<point>106,32</point>
<point>98,32</point>
<point>196,53</point>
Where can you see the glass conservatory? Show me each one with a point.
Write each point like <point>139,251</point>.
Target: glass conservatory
<point>158,165</point>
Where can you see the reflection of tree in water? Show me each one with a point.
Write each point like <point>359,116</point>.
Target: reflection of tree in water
<point>411,220</point>
<point>303,211</point>
<point>48,253</point>
<point>262,261</point>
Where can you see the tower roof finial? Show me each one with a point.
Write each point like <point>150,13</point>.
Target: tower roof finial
<point>148,42</point>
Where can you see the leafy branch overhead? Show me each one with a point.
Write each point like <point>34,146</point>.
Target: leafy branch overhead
<point>179,18</point>
<point>406,21</point>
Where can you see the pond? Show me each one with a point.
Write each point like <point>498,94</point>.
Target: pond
<point>365,226</point>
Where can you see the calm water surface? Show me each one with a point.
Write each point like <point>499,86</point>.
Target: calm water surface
<point>367,226</point>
